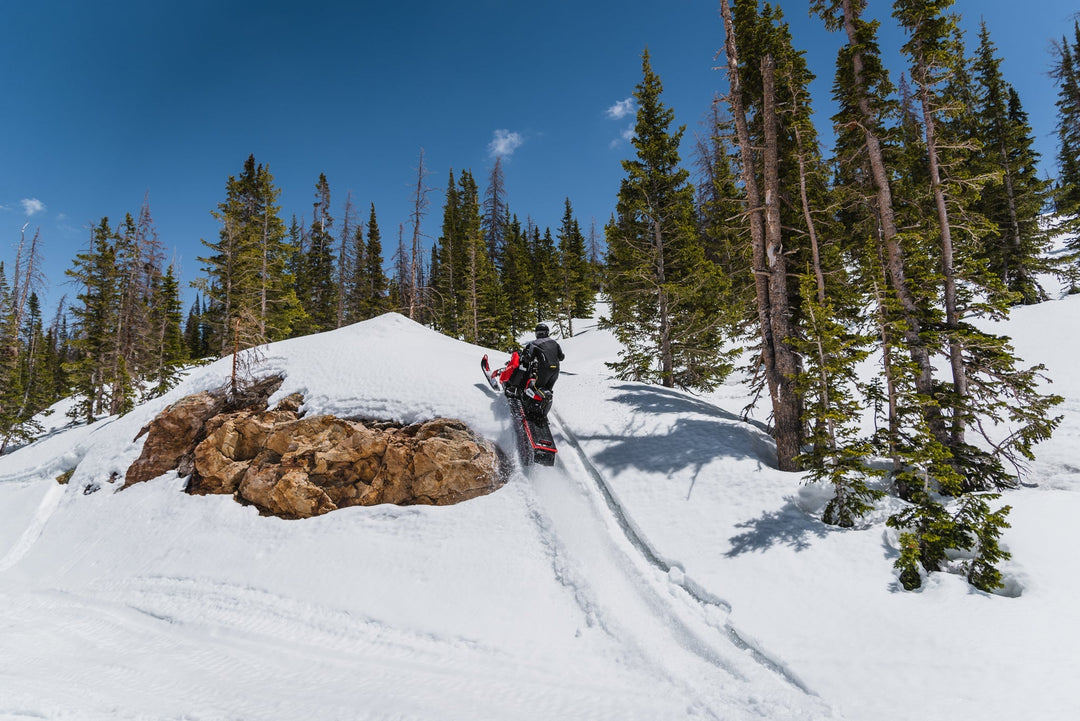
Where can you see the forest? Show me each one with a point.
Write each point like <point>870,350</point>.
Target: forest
<point>926,217</point>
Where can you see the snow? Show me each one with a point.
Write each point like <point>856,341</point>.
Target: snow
<point>663,569</point>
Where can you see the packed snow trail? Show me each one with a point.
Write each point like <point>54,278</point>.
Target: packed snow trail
<point>628,591</point>
<point>711,604</point>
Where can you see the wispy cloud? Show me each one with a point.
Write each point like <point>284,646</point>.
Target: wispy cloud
<point>32,206</point>
<point>504,143</point>
<point>621,109</point>
<point>625,136</point>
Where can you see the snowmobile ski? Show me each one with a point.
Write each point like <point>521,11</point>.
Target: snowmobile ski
<point>492,378</point>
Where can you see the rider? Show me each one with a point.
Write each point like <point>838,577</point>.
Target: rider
<point>536,371</point>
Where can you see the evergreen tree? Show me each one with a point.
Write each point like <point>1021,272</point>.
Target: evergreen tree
<point>374,277</point>
<point>171,351</point>
<point>575,289</point>
<point>95,317</point>
<point>1066,73</point>
<point>247,270</point>
<point>517,279</point>
<point>486,317</point>
<point>1013,201</point>
<point>543,263</point>
<point>496,211</point>
<point>721,220</point>
<point>664,293</point>
<point>447,265</point>
<point>320,294</point>
<point>26,392</point>
<point>754,45</point>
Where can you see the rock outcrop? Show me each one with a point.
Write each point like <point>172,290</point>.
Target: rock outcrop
<point>296,467</point>
<point>174,433</point>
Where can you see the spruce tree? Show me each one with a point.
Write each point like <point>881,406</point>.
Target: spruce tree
<point>543,261</point>
<point>496,211</point>
<point>664,293</point>
<point>1066,73</point>
<point>95,316</point>
<point>168,335</point>
<point>374,276</point>
<point>1014,199</point>
<point>517,279</point>
<point>576,294</point>
<point>448,265</point>
<point>320,299</point>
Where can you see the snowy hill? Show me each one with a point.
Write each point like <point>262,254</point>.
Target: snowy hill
<point>661,570</point>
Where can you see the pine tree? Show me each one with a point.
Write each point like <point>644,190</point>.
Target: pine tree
<point>1066,73</point>
<point>374,277</point>
<point>543,262</point>
<point>664,293</point>
<point>722,222</point>
<point>486,312</point>
<point>95,317</point>
<point>752,45</point>
<point>496,211</point>
<point>448,264</point>
<point>1013,201</point>
<point>517,280</point>
<point>575,290</point>
<point>320,299</point>
<point>170,349</point>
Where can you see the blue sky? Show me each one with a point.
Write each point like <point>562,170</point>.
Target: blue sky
<point>106,102</point>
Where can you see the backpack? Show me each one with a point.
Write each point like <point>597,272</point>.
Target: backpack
<point>544,361</point>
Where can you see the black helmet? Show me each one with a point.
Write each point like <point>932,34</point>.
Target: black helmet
<point>541,330</point>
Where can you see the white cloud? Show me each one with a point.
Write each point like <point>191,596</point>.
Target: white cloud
<point>626,136</point>
<point>504,143</point>
<point>32,206</point>
<point>621,109</point>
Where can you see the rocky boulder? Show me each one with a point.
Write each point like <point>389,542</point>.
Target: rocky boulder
<point>296,467</point>
<point>174,433</point>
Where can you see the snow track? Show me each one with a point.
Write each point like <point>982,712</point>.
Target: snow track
<point>647,604</point>
<point>711,604</point>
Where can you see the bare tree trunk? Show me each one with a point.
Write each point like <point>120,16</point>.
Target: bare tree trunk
<point>264,280</point>
<point>1014,222</point>
<point>920,354</point>
<point>667,361</point>
<point>952,317</point>
<point>781,390</point>
<point>787,413</point>
<point>474,294</point>
<point>420,204</point>
<point>819,275</point>
<point>343,258</point>
<point>24,280</point>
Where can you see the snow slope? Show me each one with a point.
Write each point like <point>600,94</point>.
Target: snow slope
<point>661,570</point>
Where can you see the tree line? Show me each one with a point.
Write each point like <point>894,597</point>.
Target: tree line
<point>924,219</point>
<point>125,337</point>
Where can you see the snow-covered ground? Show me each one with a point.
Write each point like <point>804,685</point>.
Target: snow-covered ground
<point>663,569</point>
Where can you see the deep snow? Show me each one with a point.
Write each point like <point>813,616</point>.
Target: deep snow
<point>663,569</point>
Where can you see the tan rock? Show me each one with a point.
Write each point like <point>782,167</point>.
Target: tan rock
<point>297,467</point>
<point>171,435</point>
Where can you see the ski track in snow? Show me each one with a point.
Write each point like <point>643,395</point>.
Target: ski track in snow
<point>673,570</point>
<point>679,633</point>
<point>25,542</point>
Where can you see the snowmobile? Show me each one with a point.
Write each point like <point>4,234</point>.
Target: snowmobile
<point>528,405</point>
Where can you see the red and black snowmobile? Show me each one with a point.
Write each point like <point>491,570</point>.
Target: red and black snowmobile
<point>529,405</point>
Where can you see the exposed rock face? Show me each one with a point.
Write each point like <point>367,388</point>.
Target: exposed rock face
<point>175,432</point>
<point>172,435</point>
<point>297,467</point>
